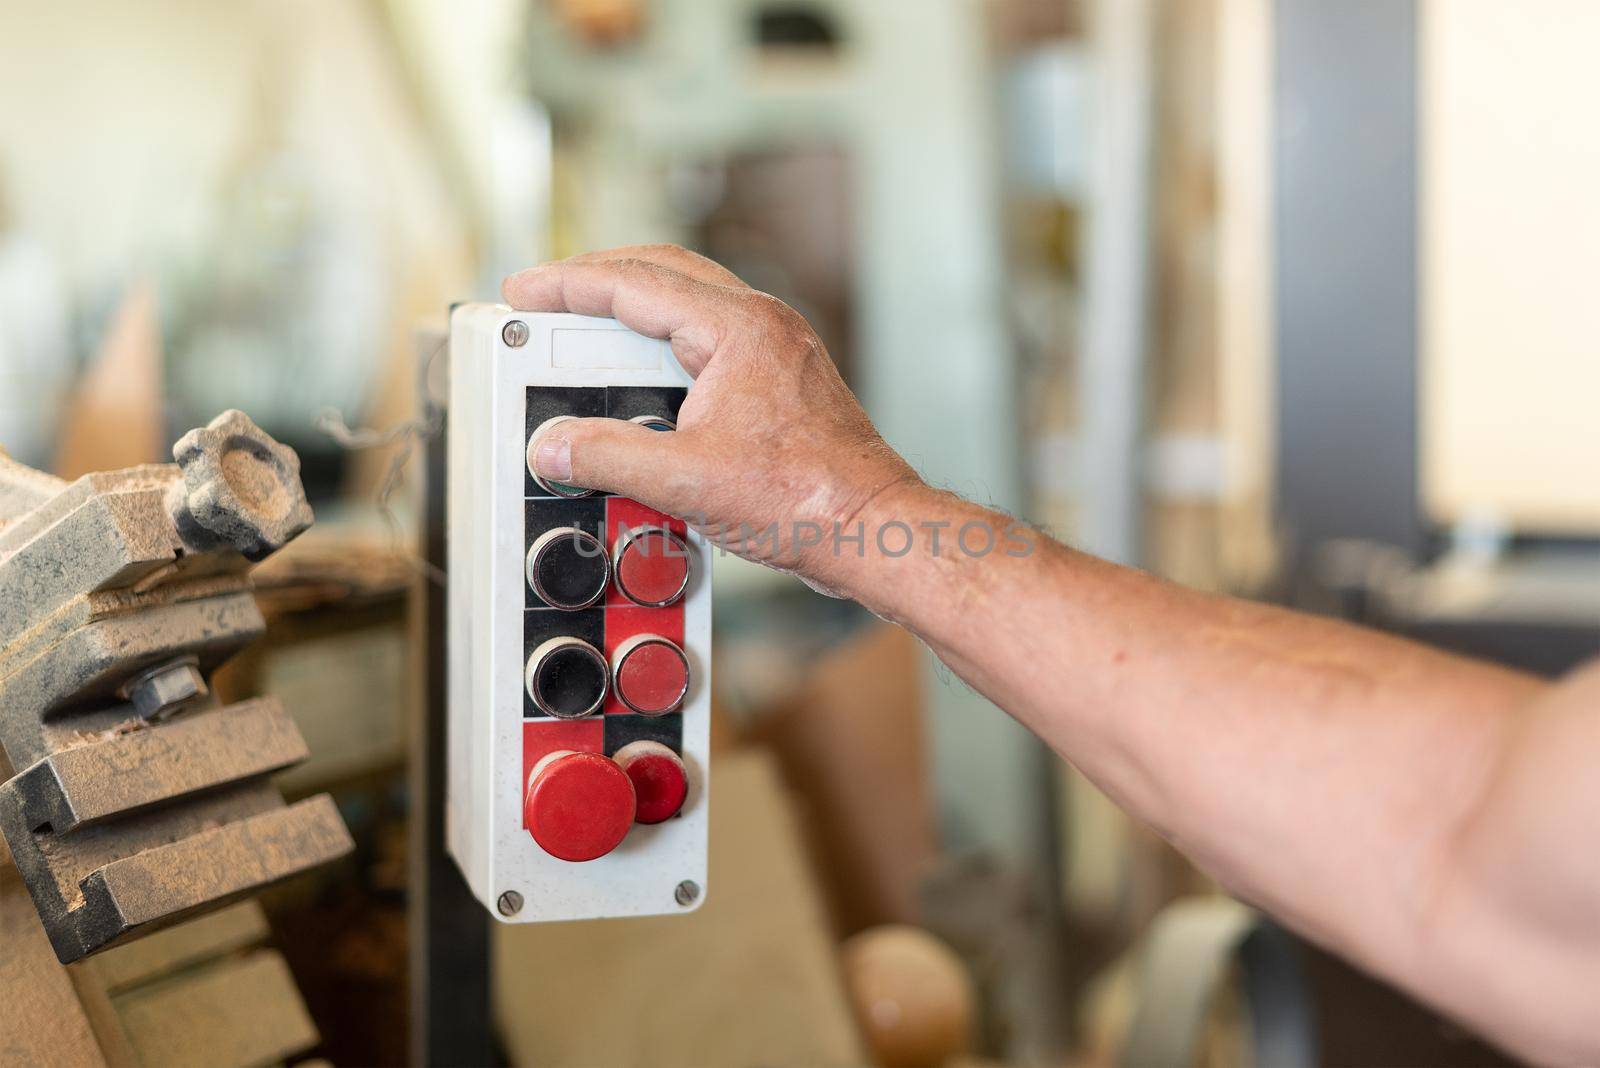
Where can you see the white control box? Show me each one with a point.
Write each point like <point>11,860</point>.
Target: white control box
<point>579,647</point>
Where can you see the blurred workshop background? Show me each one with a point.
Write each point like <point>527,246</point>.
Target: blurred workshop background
<point>1288,298</point>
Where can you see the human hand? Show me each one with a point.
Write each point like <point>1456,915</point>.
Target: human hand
<point>773,457</point>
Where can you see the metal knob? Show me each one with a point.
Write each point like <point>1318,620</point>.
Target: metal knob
<point>240,488</point>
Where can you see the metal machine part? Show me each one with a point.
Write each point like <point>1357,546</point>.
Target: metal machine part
<point>137,801</point>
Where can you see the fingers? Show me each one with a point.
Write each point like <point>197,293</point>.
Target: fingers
<point>645,297</point>
<point>617,456</point>
<point>672,257</point>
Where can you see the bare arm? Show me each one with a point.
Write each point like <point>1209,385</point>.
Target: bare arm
<point>1428,816</point>
<point>1422,814</point>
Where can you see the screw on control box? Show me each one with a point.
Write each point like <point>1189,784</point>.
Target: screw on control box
<point>579,634</point>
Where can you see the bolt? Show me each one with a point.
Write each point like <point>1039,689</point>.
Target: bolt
<point>510,903</point>
<point>515,333</point>
<point>687,893</point>
<point>166,688</point>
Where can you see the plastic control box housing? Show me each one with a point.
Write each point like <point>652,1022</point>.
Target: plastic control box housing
<point>506,381</point>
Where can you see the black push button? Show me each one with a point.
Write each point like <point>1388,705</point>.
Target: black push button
<point>568,568</point>
<point>567,678</point>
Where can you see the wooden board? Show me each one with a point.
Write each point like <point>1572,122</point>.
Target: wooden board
<point>238,1011</point>
<point>751,978</point>
<point>41,1019</point>
<point>852,743</point>
<point>175,948</point>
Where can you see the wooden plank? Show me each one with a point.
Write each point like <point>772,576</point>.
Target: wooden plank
<point>751,978</point>
<point>851,742</point>
<point>183,946</point>
<point>240,1011</point>
<point>103,1019</point>
<point>41,1020</point>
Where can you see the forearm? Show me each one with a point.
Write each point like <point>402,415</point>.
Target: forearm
<point>1388,800</point>
<point>1316,768</point>
<point>1391,801</point>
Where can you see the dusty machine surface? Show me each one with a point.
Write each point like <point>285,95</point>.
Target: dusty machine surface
<point>136,801</point>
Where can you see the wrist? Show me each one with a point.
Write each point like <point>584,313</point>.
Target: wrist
<point>921,547</point>
<point>885,541</point>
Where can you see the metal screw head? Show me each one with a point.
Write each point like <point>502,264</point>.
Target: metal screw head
<point>515,333</point>
<point>510,903</point>
<point>687,893</point>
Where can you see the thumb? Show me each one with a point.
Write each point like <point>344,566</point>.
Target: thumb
<point>616,456</point>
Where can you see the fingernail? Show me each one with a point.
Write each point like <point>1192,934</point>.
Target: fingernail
<point>553,458</point>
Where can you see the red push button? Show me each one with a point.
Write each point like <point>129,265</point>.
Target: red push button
<point>579,806</point>
<point>651,674</point>
<point>660,780</point>
<point>651,566</point>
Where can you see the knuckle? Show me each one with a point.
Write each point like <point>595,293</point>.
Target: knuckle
<point>766,307</point>
<point>587,433</point>
<point>783,322</point>
<point>633,265</point>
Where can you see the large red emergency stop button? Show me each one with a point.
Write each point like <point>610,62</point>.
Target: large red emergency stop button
<point>651,674</point>
<point>579,806</point>
<point>651,565</point>
<point>660,781</point>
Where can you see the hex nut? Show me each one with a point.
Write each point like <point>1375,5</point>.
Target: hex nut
<point>167,688</point>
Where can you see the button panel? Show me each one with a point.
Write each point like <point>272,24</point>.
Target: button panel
<point>634,625</point>
<point>532,633</point>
